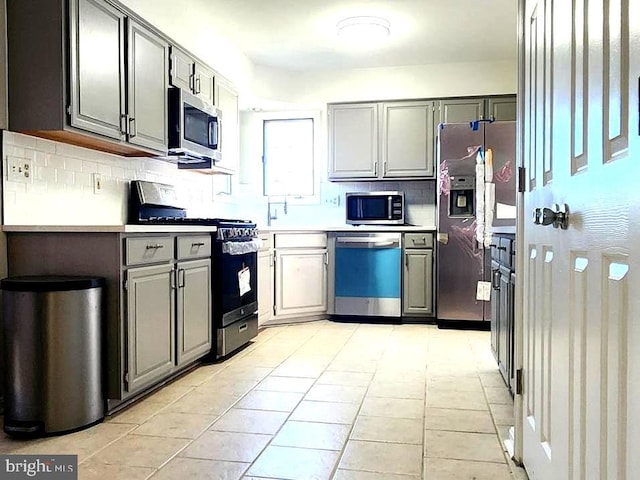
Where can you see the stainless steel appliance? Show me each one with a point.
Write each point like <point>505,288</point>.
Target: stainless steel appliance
<point>368,274</point>
<point>235,258</point>
<point>375,208</point>
<point>476,197</point>
<point>194,130</point>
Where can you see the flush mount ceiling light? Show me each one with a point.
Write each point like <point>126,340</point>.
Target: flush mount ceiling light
<point>363,28</point>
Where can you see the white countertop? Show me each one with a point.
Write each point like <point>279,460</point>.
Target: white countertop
<point>348,228</point>
<point>109,228</point>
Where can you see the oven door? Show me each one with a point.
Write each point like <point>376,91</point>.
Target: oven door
<point>237,286</point>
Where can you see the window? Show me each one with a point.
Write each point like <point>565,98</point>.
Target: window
<point>288,156</point>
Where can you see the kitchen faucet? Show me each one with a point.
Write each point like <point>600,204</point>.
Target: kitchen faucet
<point>274,216</point>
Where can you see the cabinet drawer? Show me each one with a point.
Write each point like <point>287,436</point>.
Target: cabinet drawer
<point>418,240</point>
<point>194,246</point>
<point>267,241</point>
<point>148,250</point>
<point>301,240</point>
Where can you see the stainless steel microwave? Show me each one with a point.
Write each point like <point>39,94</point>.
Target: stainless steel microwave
<point>375,208</point>
<point>194,129</point>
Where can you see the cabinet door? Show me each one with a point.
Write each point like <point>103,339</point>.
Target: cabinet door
<point>353,141</point>
<point>147,94</point>
<point>502,108</point>
<point>301,281</point>
<point>182,70</point>
<point>265,286</point>
<point>203,86</point>
<point>150,324</point>
<point>97,68</point>
<point>495,308</point>
<point>503,319</point>
<point>461,110</point>
<point>227,102</point>
<point>407,139</point>
<point>417,285</point>
<point>194,320</point>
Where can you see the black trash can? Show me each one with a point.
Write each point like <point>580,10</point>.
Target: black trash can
<point>53,353</point>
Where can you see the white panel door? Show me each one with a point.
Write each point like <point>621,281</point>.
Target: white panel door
<point>581,286</point>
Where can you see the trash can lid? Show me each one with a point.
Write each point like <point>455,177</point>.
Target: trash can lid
<point>47,283</point>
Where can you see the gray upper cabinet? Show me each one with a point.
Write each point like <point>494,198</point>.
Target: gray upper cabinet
<point>93,73</point>
<point>148,83</point>
<point>353,141</point>
<point>381,140</point>
<point>470,109</point>
<point>503,108</point>
<point>461,110</point>
<point>97,79</point>
<point>187,73</point>
<point>407,139</point>
<point>227,102</point>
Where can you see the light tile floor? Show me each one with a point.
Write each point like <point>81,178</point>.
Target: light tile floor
<point>315,400</point>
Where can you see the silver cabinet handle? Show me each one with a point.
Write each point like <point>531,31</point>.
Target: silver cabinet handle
<point>375,169</point>
<point>154,247</point>
<point>198,85</point>
<point>192,82</point>
<point>124,123</point>
<point>172,280</point>
<point>197,244</point>
<point>326,258</point>
<point>242,327</point>
<point>133,130</point>
<point>181,278</point>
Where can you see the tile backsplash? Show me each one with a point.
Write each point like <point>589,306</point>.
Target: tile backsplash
<point>60,190</point>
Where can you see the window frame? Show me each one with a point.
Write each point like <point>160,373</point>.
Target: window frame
<point>316,117</point>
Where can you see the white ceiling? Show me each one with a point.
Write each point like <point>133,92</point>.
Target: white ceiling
<point>301,34</point>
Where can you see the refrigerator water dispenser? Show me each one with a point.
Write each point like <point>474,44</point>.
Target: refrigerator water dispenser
<point>462,197</point>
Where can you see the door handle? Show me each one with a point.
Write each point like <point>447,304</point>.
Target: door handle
<point>496,280</point>
<point>558,216</point>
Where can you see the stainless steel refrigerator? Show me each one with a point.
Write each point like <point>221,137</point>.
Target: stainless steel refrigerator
<point>476,198</point>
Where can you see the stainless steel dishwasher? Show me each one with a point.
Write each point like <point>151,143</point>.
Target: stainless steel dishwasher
<point>368,273</point>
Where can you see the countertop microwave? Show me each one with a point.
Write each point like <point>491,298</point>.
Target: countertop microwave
<point>375,208</point>
<point>195,129</point>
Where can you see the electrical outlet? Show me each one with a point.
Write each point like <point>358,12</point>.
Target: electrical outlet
<point>97,183</point>
<point>332,201</point>
<point>19,170</point>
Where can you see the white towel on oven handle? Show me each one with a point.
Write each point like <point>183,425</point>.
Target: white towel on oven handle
<point>240,248</point>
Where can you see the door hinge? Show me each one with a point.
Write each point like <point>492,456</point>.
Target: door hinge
<point>125,284</point>
<point>274,309</point>
<point>518,386</point>
<point>126,379</point>
<point>69,109</point>
<point>522,176</point>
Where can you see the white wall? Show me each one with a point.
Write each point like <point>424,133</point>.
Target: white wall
<point>194,28</point>
<point>414,81</point>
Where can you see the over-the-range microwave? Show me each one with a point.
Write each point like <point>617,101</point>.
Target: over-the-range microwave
<point>375,208</point>
<point>195,128</point>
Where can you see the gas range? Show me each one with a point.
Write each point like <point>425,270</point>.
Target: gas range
<point>153,203</point>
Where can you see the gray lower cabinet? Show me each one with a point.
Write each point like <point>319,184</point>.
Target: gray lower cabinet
<point>417,278</point>
<point>193,320</point>
<point>168,305</point>
<point>150,325</point>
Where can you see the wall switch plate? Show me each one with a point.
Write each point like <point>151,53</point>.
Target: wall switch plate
<point>332,201</point>
<point>97,183</point>
<point>19,169</point>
